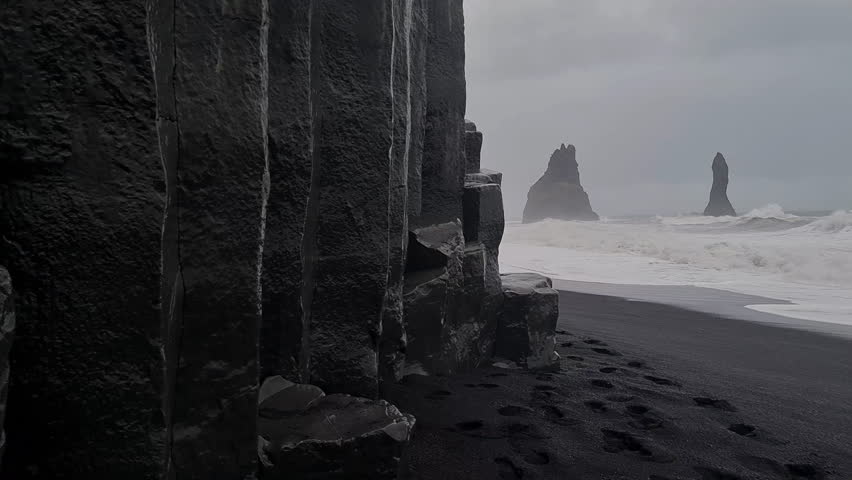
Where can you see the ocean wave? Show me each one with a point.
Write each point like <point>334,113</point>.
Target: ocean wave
<point>819,252</point>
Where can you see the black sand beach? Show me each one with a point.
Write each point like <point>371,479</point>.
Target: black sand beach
<point>645,391</point>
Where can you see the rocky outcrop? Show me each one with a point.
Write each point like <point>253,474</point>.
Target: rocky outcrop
<point>527,330</point>
<point>558,193</point>
<point>7,331</point>
<point>304,433</point>
<point>198,197</point>
<point>433,289</point>
<point>719,204</point>
<point>81,227</point>
<point>443,166</point>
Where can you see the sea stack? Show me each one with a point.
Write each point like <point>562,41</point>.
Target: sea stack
<point>558,193</point>
<point>719,204</point>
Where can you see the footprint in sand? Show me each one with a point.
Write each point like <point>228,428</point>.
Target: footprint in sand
<point>574,357</point>
<point>596,405</point>
<point>592,341</point>
<point>489,385</point>
<point>743,429</point>
<point>608,370</point>
<point>662,381</point>
<point>714,403</point>
<point>507,470</point>
<point>470,425</point>
<point>563,332</point>
<point>537,457</point>
<point>601,383</point>
<point>566,344</point>
<point>606,351</point>
<point>715,474</point>
<point>513,411</point>
<point>636,364</point>
<point>804,470</point>
<point>439,395</point>
<point>644,418</point>
<point>617,442</point>
<point>620,398</point>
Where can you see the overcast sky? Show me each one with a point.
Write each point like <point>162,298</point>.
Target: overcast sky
<point>650,90</point>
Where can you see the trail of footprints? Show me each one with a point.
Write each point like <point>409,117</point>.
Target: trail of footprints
<point>641,418</point>
<point>644,419</point>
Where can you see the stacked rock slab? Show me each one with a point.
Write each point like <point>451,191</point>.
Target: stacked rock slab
<point>558,193</point>
<point>81,218</point>
<point>719,205</point>
<point>527,330</point>
<point>304,433</point>
<point>7,331</point>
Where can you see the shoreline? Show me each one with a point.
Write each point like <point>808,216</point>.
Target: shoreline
<point>644,391</point>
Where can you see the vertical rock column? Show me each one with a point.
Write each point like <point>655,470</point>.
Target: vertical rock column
<point>392,339</point>
<point>347,241</point>
<point>211,73</point>
<point>443,165</point>
<point>81,212</point>
<point>290,161</point>
<point>7,331</point>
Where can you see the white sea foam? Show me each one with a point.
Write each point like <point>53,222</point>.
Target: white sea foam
<point>766,252</point>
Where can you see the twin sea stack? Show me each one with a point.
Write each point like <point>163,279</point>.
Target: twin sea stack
<point>201,197</point>
<point>558,193</point>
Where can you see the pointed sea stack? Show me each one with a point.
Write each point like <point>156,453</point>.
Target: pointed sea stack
<point>558,193</point>
<point>719,204</point>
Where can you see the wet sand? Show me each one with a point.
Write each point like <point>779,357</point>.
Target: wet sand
<point>645,391</point>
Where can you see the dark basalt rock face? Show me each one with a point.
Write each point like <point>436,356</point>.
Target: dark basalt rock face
<point>527,330</point>
<point>558,193</point>
<point>443,166</point>
<point>7,332</point>
<point>304,433</point>
<point>81,225</point>
<point>433,288</point>
<point>472,147</point>
<point>199,197</point>
<point>290,164</point>
<point>719,204</point>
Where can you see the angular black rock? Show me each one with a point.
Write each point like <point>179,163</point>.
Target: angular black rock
<point>347,241</point>
<point>7,332</point>
<point>558,193</point>
<point>81,214</point>
<point>313,435</point>
<point>212,90</point>
<point>443,150</point>
<point>527,330</point>
<point>719,205</point>
<point>290,176</point>
<point>472,147</point>
<point>433,289</point>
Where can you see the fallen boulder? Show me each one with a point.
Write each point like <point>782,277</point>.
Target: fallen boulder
<point>526,332</point>
<point>312,435</point>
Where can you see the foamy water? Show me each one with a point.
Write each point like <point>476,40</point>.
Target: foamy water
<point>767,252</point>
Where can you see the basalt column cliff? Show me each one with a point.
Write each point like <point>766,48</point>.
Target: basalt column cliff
<point>228,222</point>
